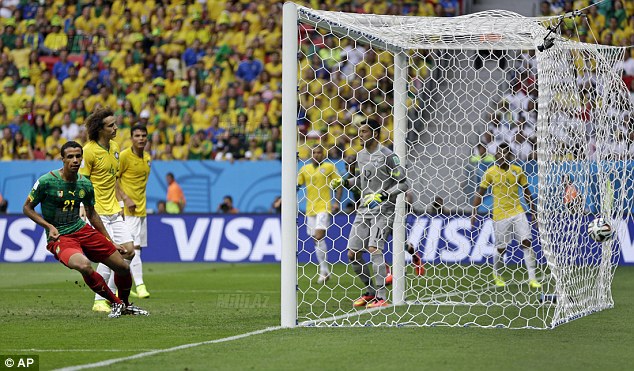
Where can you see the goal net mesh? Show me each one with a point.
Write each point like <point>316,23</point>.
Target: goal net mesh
<point>472,83</point>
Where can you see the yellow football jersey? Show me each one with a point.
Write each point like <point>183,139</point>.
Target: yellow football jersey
<point>505,190</point>
<point>101,166</point>
<point>133,176</point>
<point>317,180</point>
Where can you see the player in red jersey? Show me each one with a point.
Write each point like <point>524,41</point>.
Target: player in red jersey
<point>70,239</point>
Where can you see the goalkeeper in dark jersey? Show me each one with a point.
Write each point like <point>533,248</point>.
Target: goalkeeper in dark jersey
<point>70,239</point>
<point>380,179</point>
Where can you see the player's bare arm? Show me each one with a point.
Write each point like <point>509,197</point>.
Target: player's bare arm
<point>477,200</point>
<point>82,209</point>
<point>335,202</point>
<point>127,200</point>
<point>528,196</point>
<point>29,210</point>
<point>122,196</point>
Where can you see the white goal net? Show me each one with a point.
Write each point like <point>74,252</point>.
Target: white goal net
<point>450,94</point>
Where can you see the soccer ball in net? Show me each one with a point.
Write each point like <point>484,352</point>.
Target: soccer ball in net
<point>599,230</point>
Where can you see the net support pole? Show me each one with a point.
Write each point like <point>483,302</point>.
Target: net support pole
<point>400,148</point>
<point>289,167</point>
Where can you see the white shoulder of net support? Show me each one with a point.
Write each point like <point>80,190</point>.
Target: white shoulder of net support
<point>492,29</point>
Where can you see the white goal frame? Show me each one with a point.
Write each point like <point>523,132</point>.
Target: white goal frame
<point>289,280</point>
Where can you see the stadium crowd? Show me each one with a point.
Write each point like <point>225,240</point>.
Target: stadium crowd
<point>513,119</point>
<point>204,76</point>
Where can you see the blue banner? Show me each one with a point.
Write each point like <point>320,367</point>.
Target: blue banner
<point>258,238</point>
<point>254,185</point>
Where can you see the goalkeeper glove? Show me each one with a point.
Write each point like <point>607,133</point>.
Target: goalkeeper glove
<point>336,183</point>
<point>374,199</point>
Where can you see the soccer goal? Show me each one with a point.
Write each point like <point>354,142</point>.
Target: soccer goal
<point>448,92</point>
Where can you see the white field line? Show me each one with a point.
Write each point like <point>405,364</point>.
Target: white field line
<point>75,350</point>
<point>425,300</point>
<point>173,349</point>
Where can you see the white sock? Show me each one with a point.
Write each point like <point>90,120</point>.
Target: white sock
<point>321,250</point>
<point>111,284</point>
<point>529,260</point>
<point>136,268</point>
<point>497,262</point>
<point>105,272</point>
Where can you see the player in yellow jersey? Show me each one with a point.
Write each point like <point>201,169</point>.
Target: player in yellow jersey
<point>509,217</point>
<point>316,176</point>
<point>101,166</point>
<point>134,170</point>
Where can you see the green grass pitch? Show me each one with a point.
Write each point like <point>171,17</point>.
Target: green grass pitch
<point>45,310</point>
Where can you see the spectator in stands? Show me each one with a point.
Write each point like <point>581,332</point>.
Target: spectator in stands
<point>3,113</point>
<point>104,74</point>
<point>236,148</point>
<point>545,10</point>
<point>199,147</point>
<point>270,152</point>
<point>62,66</point>
<point>234,99</point>
<point>255,151</point>
<point>93,82</point>
<point>619,13</point>
<point>32,38</point>
<point>70,130</point>
<point>179,148</point>
<point>450,7</point>
<point>54,143</point>
<point>160,207</point>
<point>20,54</point>
<point>8,35</point>
<point>73,83</point>
<point>614,30</point>
<point>248,70</point>
<point>4,204</point>
<point>175,197</point>
<point>55,115</point>
<point>7,7</point>
<point>22,149</point>
<point>25,88</point>
<point>184,100</point>
<point>7,144</point>
<point>276,206</point>
<point>572,199</point>
<point>11,99</point>
<point>626,66</point>
<point>193,54</point>
<point>226,206</point>
<point>158,66</point>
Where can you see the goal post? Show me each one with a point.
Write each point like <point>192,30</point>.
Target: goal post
<point>400,148</point>
<point>448,92</point>
<point>289,167</point>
